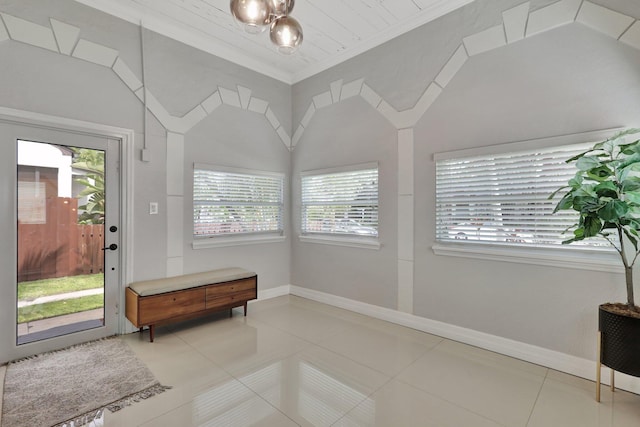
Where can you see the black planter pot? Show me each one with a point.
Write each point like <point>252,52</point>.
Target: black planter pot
<point>620,342</point>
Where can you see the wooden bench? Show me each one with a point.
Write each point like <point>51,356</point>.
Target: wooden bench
<point>161,301</point>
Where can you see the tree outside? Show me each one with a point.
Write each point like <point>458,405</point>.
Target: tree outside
<point>92,163</point>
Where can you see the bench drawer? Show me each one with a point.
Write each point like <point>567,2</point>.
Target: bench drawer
<point>165,306</point>
<point>227,300</point>
<point>214,291</point>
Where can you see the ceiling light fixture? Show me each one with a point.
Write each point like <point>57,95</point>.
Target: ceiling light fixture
<point>256,15</point>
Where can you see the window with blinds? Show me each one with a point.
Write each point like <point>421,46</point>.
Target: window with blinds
<point>233,202</point>
<point>503,198</point>
<point>341,202</point>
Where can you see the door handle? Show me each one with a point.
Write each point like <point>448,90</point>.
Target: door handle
<point>111,247</point>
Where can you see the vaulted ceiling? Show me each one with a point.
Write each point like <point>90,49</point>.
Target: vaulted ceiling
<point>334,30</point>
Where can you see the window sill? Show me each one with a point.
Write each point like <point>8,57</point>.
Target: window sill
<point>352,242</point>
<point>219,242</point>
<point>575,258</point>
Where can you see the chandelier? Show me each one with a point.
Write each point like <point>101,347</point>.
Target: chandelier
<point>255,16</point>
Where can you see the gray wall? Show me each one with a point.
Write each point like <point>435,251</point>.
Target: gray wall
<point>565,81</point>
<point>349,133</point>
<point>568,80</point>
<point>40,81</point>
<point>248,143</point>
<point>182,77</point>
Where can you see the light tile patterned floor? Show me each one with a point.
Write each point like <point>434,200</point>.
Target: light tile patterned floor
<point>294,362</point>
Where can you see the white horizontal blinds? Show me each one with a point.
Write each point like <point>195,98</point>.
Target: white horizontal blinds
<point>227,203</point>
<point>341,202</point>
<point>503,198</point>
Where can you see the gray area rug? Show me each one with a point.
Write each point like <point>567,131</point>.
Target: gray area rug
<point>75,384</point>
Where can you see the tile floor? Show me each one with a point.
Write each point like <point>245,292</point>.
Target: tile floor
<point>294,362</point>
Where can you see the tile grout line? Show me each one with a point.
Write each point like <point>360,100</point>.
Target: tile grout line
<point>391,378</point>
<point>443,341</point>
<point>450,402</point>
<point>365,398</point>
<point>319,345</point>
<point>535,402</point>
<point>232,376</point>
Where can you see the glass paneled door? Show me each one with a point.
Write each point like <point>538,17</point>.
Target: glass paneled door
<point>66,231</point>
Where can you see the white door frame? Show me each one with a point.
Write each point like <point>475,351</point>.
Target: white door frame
<point>126,137</point>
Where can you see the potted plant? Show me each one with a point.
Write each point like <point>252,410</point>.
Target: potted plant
<point>605,192</point>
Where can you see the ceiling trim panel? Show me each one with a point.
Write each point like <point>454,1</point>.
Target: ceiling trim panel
<point>335,31</point>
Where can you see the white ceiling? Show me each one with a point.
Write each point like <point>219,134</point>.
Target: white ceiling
<point>334,30</point>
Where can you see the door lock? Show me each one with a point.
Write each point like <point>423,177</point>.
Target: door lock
<point>111,247</point>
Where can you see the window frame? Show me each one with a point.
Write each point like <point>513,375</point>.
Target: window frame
<point>234,239</point>
<point>575,257</point>
<point>333,238</point>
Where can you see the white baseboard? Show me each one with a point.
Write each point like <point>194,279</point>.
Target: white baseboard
<point>274,292</point>
<point>562,362</point>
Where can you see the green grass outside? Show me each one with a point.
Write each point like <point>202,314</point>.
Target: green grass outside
<point>28,291</point>
<point>59,308</point>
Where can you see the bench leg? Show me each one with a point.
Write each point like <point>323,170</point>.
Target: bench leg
<point>141,329</point>
<point>152,329</point>
<point>245,309</point>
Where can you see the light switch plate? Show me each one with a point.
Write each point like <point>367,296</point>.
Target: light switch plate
<point>153,208</point>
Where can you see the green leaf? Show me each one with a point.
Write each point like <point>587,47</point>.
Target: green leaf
<point>610,144</point>
<point>630,148</point>
<point>566,242</point>
<point>552,195</point>
<point>633,239</point>
<point>587,163</point>
<point>631,163</point>
<point>635,146</point>
<point>633,197</point>
<point>630,160</point>
<point>601,173</point>
<point>578,156</point>
<point>613,210</point>
<point>586,190</point>
<point>576,181</point>
<point>88,167</point>
<point>624,221</point>
<point>607,189</point>
<point>630,184</point>
<point>578,234</point>
<point>630,171</point>
<point>592,226</point>
<point>587,204</point>
<point>565,203</point>
<point>626,132</point>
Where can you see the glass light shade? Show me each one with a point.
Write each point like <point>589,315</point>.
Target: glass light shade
<point>253,15</point>
<point>282,7</point>
<point>286,34</point>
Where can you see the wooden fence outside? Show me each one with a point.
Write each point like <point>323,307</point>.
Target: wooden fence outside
<point>60,247</point>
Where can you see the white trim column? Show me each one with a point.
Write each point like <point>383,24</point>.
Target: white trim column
<point>405,220</point>
<point>175,204</point>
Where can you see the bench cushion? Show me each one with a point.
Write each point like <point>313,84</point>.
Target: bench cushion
<point>178,283</point>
